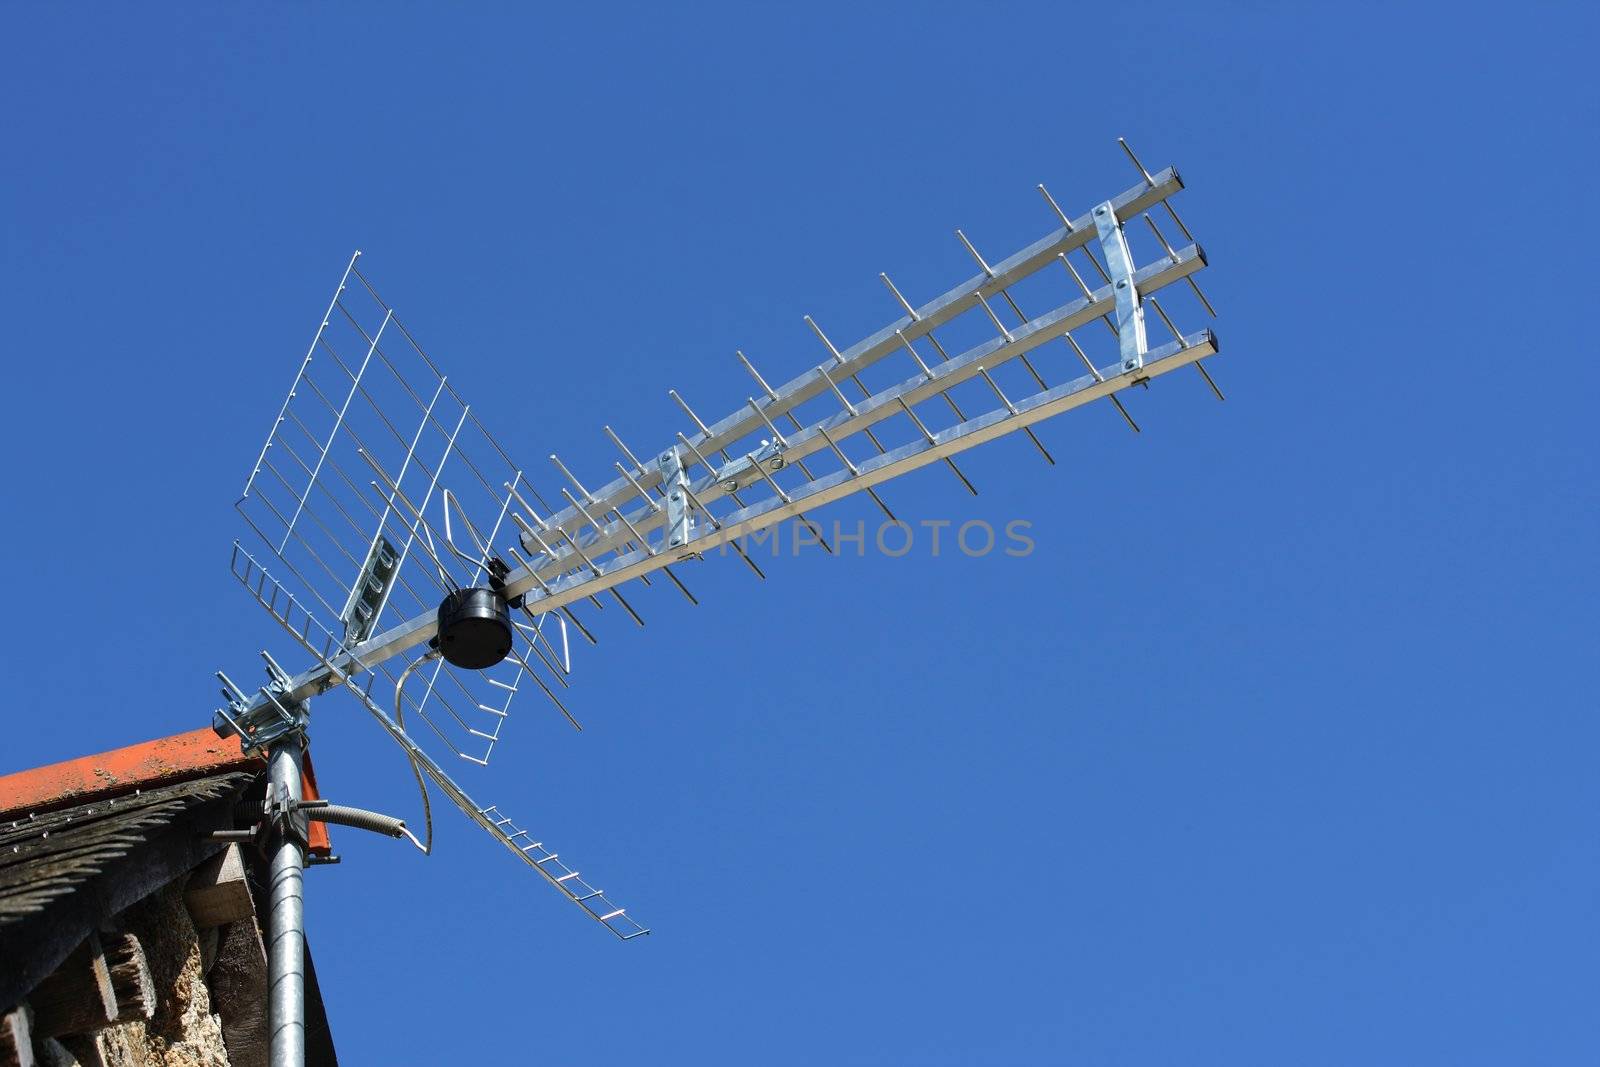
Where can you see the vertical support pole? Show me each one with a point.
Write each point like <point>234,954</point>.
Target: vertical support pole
<point>287,955</point>
<point>1130,308</point>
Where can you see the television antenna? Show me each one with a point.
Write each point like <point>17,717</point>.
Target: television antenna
<point>407,546</point>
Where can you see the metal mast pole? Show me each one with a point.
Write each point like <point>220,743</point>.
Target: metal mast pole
<point>286,967</point>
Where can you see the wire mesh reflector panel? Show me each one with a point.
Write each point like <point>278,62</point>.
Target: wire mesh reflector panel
<point>350,493</point>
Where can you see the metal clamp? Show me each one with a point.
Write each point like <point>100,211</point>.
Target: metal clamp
<point>259,726</point>
<point>748,469</point>
<point>286,815</point>
<point>676,482</point>
<point>280,813</point>
<point>1130,306</point>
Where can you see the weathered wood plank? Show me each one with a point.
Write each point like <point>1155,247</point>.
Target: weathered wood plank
<point>105,980</point>
<point>238,985</point>
<point>16,1037</point>
<point>217,892</point>
<point>131,984</point>
<point>77,997</point>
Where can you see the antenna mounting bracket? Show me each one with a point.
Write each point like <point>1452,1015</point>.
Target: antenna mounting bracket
<point>257,726</point>
<point>676,481</point>
<point>746,470</point>
<point>1130,305</point>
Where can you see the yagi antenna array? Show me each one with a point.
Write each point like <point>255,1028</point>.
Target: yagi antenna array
<point>418,551</point>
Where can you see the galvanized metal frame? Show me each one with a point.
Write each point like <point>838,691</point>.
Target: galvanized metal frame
<point>623,532</point>
<point>859,418</point>
<point>573,588</point>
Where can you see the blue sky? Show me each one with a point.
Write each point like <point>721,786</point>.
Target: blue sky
<point>1278,748</point>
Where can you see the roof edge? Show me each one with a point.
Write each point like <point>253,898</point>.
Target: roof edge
<point>122,770</point>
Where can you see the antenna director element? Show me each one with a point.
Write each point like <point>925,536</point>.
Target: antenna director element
<point>474,629</point>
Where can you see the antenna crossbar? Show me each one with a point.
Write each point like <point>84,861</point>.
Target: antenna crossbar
<point>887,341</point>
<point>874,471</point>
<point>885,404</point>
<point>835,486</point>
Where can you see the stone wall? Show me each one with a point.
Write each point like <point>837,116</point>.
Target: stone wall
<point>183,1032</point>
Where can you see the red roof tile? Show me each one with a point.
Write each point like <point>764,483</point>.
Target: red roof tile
<point>196,754</point>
